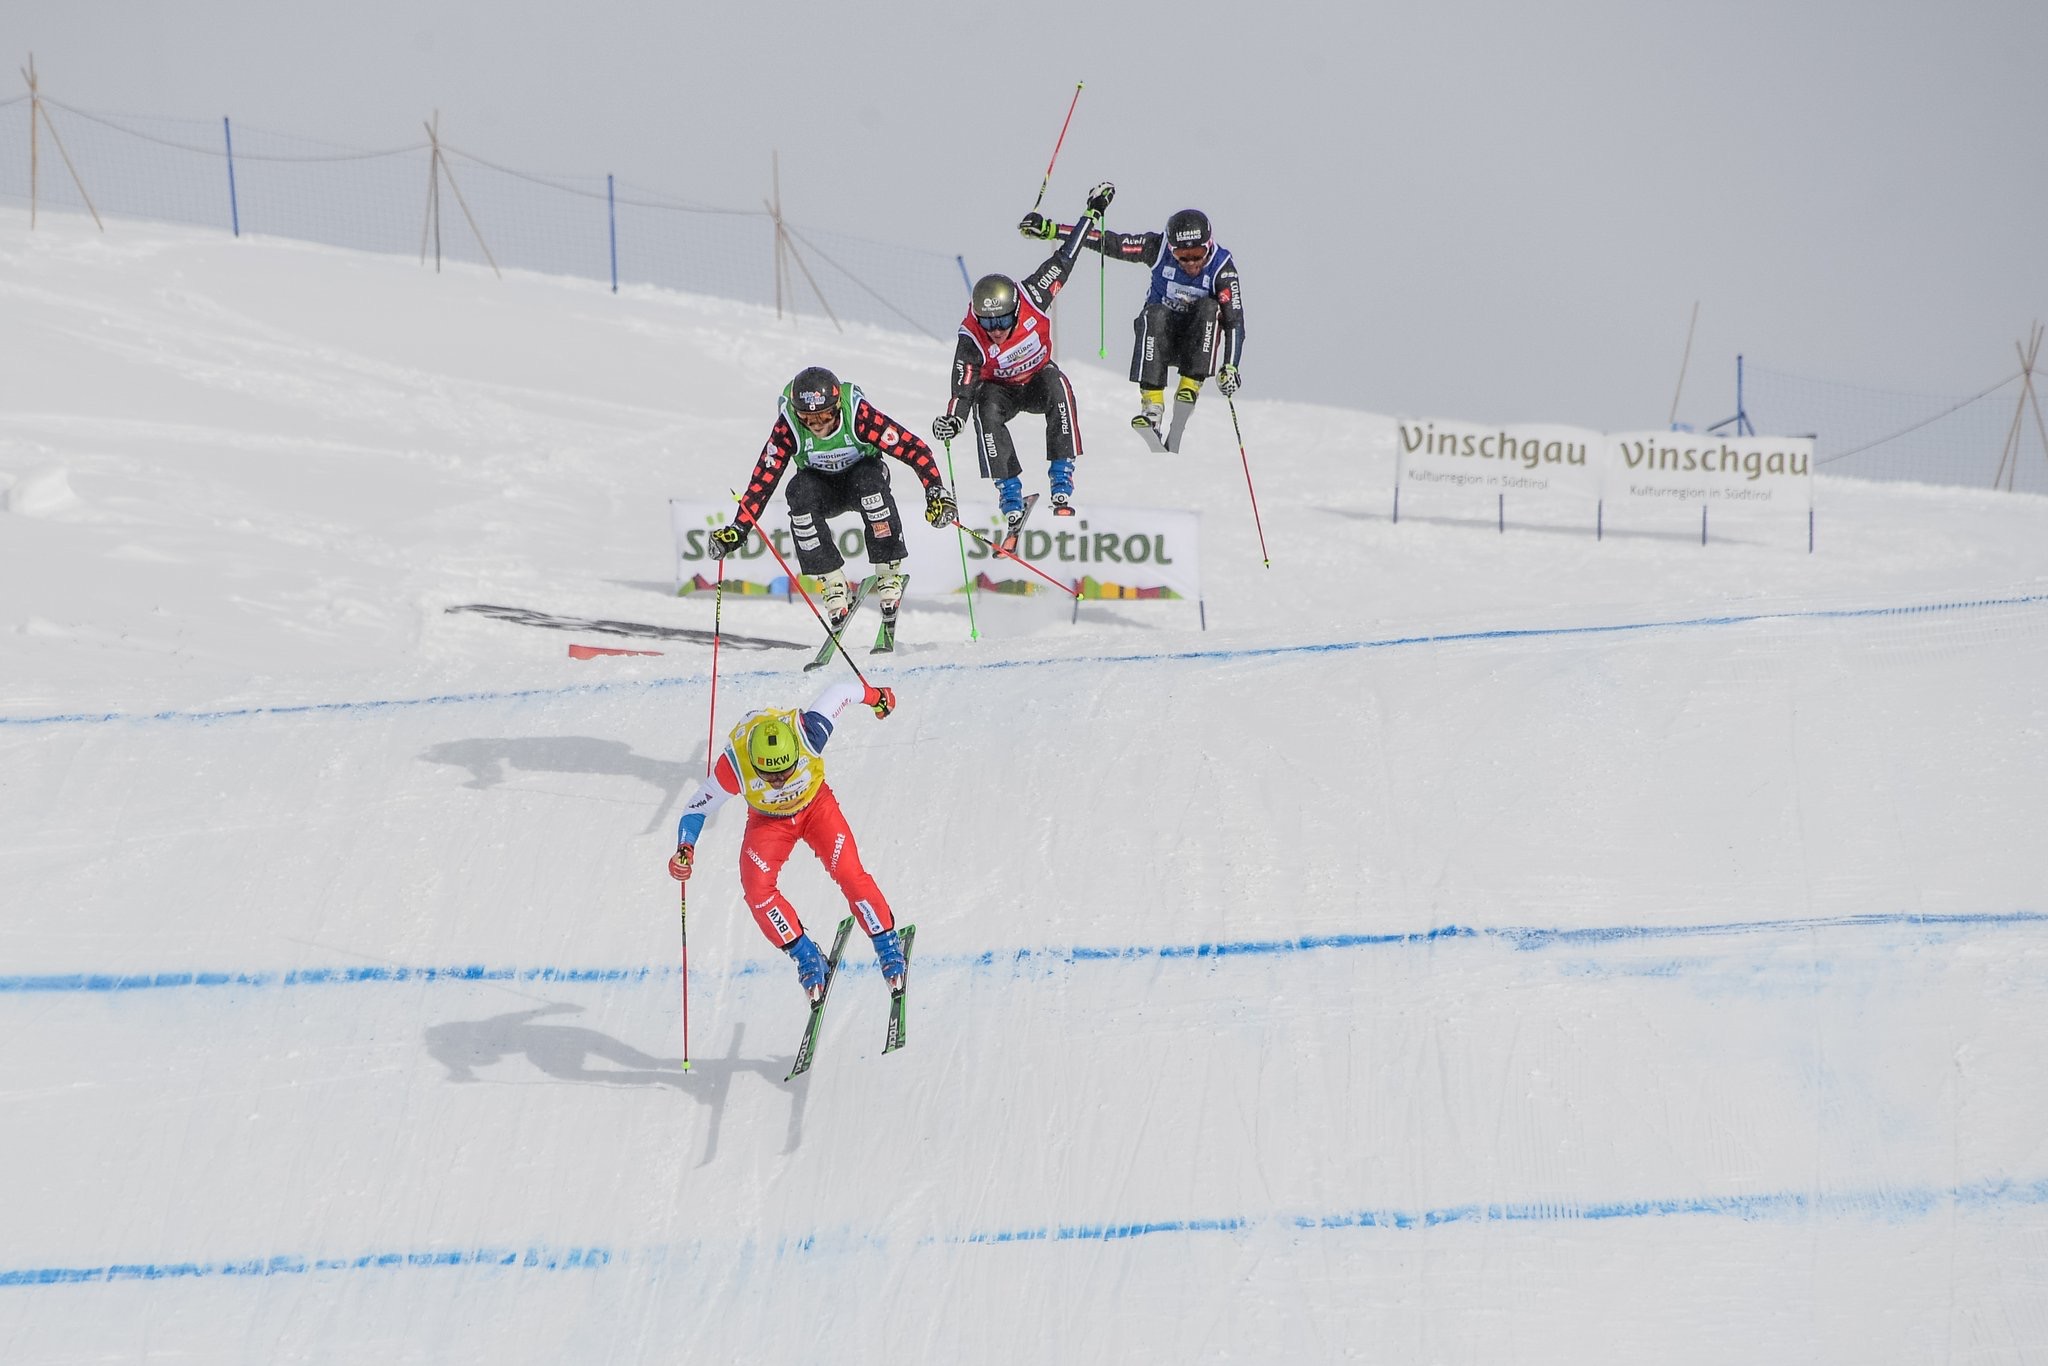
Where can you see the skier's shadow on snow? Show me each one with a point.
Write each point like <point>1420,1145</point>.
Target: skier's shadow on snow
<point>564,1052</point>
<point>494,761</point>
<point>574,1053</point>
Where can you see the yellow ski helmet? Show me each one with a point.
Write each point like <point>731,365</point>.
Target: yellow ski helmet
<point>772,745</point>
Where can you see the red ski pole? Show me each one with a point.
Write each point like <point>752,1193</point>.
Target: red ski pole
<point>683,911</point>
<point>995,549</point>
<point>1056,147</point>
<point>769,541</point>
<point>710,757</point>
<point>1248,481</point>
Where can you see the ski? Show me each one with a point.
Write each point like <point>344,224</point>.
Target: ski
<point>898,999</point>
<point>808,1049</point>
<point>832,635</point>
<point>1183,409</point>
<point>885,634</point>
<point>1008,544</point>
<point>1150,431</point>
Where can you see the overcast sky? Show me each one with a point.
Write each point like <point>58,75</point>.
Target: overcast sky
<point>1495,211</point>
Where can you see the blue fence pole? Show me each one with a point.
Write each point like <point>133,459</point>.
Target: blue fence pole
<point>234,205</point>
<point>611,210</point>
<point>961,262</point>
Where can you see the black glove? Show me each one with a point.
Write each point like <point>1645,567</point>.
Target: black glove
<point>946,426</point>
<point>939,508</point>
<point>1227,379</point>
<point>1035,224</point>
<point>1098,201</point>
<point>727,539</point>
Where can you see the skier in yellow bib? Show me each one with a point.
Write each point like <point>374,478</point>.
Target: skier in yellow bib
<point>775,761</point>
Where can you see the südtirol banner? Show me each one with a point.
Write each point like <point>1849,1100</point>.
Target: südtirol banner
<point>1468,467</point>
<point>1112,553</point>
<point>752,572</point>
<point>1765,473</point>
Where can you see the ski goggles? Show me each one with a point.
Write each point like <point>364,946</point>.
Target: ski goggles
<point>1002,324</point>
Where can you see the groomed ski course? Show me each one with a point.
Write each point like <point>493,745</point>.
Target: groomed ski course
<point>1473,947</point>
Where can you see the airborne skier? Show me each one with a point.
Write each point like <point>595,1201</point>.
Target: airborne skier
<point>775,761</point>
<point>1193,318</point>
<point>835,438</point>
<point>1002,365</point>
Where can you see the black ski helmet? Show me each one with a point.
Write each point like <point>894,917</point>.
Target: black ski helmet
<point>814,390</point>
<point>1188,228</point>
<point>995,302</point>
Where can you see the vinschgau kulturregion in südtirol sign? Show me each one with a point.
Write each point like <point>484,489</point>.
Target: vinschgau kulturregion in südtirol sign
<point>1559,474</point>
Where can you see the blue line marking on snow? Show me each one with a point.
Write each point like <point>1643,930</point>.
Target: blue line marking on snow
<point>297,977</point>
<point>1150,657</point>
<point>526,1259</point>
<point>1525,938</point>
<point>1890,1203</point>
<point>1537,937</point>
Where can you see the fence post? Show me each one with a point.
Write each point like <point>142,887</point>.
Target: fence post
<point>234,205</point>
<point>961,262</point>
<point>611,210</point>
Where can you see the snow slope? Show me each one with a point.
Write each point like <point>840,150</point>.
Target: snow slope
<point>1472,947</point>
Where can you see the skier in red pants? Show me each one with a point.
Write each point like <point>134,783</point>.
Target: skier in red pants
<point>775,761</point>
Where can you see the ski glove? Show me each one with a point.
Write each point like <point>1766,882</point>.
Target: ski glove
<point>946,426</point>
<point>679,866</point>
<point>939,508</point>
<point>1098,201</point>
<point>727,539</point>
<point>1035,224</point>
<point>883,700</point>
<point>1227,379</point>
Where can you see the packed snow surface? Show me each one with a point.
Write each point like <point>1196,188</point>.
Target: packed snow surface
<point>1473,946</point>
